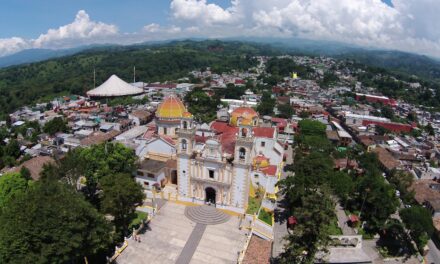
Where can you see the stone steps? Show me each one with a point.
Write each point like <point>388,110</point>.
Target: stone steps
<point>205,214</point>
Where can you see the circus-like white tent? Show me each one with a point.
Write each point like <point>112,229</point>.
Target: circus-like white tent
<point>114,87</point>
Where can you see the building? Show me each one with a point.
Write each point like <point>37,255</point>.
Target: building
<point>223,166</point>
<point>376,99</point>
<point>114,87</point>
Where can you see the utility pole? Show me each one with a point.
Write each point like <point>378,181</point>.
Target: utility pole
<point>134,74</point>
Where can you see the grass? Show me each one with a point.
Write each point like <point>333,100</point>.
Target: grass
<point>333,228</point>
<point>137,220</point>
<point>253,205</point>
<point>265,217</point>
<point>364,234</point>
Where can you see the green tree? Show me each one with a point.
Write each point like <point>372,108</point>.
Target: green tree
<point>203,107</point>
<point>376,200</point>
<point>418,221</point>
<point>102,160</point>
<point>55,125</point>
<point>11,185</point>
<point>314,213</point>
<point>12,149</point>
<point>69,169</point>
<point>286,111</point>
<point>121,195</point>
<point>51,223</point>
<point>265,107</point>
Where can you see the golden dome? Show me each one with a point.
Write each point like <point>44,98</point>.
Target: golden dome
<point>246,115</point>
<point>171,107</point>
<point>260,161</point>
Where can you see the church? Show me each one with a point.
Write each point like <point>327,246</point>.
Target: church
<point>222,162</point>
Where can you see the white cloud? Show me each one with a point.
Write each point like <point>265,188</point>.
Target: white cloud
<point>201,12</point>
<point>82,29</point>
<point>410,25</point>
<point>80,32</point>
<point>12,45</point>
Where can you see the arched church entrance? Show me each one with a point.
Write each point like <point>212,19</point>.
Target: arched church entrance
<point>210,195</point>
<point>174,177</point>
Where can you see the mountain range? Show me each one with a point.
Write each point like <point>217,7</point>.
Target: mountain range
<point>420,65</point>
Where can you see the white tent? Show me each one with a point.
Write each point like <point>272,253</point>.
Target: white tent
<point>114,86</point>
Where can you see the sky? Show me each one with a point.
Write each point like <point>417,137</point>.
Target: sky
<point>406,25</point>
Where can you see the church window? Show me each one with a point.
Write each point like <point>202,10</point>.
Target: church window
<point>211,174</point>
<point>242,153</point>
<point>184,144</point>
<point>263,144</point>
<point>185,125</point>
<point>164,130</point>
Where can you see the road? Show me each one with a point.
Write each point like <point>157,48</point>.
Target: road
<point>433,255</point>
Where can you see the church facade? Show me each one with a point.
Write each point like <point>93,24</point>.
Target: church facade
<point>220,163</point>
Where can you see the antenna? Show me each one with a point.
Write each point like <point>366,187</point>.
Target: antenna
<point>94,78</point>
<point>134,74</point>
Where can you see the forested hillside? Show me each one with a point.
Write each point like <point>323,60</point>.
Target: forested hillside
<point>22,85</point>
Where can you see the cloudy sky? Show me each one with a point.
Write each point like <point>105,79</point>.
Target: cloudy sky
<point>408,25</point>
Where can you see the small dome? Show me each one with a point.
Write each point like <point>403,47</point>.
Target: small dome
<point>187,115</point>
<point>260,161</point>
<point>171,107</point>
<point>244,116</point>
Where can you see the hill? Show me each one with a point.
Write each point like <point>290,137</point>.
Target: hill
<point>399,62</point>
<point>36,55</point>
<point>26,84</point>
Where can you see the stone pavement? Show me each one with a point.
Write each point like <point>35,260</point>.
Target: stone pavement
<point>169,232</point>
<point>343,220</point>
<point>191,245</point>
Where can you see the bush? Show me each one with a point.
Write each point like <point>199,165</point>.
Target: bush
<point>137,220</point>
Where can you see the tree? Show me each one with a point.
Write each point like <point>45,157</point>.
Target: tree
<point>430,130</point>
<point>265,107</point>
<point>25,173</point>
<point>121,195</point>
<point>69,169</point>
<point>11,185</point>
<point>418,221</point>
<point>12,149</point>
<point>376,200</point>
<point>387,112</point>
<point>55,125</point>
<point>102,160</point>
<point>51,223</point>
<point>342,184</point>
<point>286,111</point>
<point>314,212</point>
<point>203,107</point>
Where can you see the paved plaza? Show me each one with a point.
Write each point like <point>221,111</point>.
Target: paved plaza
<point>172,238</point>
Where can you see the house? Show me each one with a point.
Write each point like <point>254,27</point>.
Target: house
<point>151,173</point>
<point>34,165</point>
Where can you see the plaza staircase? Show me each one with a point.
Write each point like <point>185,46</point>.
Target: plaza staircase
<point>205,214</point>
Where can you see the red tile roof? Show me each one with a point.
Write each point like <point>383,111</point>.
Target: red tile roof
<point>169,140</point>
<point>266,132</point>
<point>271,170</point>
<point>227,135</point>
